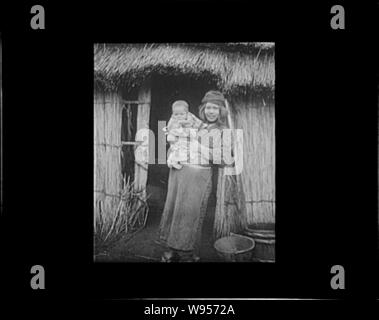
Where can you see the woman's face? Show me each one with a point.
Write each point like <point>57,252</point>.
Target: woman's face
<point>212,112</point>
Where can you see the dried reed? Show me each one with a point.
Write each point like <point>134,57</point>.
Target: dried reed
<point>118,209</point>
<point>129,217</point>
<point>257,119</point>
<point>107,157</point>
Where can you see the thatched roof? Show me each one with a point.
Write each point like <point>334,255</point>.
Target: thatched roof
<point>233,67</point>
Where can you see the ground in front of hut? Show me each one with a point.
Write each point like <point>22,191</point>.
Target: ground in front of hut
<point>142,247</point>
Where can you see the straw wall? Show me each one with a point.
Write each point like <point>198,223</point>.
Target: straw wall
<point>256,116</point>
<point>107,160</point>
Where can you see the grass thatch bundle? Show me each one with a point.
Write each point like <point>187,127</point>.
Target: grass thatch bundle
<point>257,119</point>
<point>230,69</point>
<point>128,217</point>
<point>230,214</point>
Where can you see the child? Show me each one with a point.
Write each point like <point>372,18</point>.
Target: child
<point>181,127</point>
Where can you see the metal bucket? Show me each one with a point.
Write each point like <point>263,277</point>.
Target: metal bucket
<point>235,248</point>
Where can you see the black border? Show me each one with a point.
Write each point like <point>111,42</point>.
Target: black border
<point>326,115</point>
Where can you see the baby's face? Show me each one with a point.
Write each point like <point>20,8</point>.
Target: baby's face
<point>179,113</point>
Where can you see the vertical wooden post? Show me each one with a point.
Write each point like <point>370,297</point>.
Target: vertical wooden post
<point>142,151</point>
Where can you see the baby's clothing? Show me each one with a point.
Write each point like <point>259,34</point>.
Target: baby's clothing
<point>181,134</point>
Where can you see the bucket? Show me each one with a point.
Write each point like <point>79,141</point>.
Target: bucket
<point>264,243</point>
<point>235,248</point>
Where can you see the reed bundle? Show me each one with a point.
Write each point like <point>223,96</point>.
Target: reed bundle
<point>107,157</point>
<point>129,216</point>
<point>230,215</point>
<point>257,119</point>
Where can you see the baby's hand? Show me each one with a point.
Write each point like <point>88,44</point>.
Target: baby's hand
<point>171,138</point>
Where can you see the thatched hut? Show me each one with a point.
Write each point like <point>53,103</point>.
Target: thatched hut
<point>134,86</point>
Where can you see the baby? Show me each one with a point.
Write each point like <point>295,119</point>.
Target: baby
<point>181,127</point>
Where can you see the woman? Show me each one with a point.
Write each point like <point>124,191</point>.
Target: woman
<point>189,189</point>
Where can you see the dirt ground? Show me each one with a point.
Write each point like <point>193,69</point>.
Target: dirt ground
<point>143,248</point>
